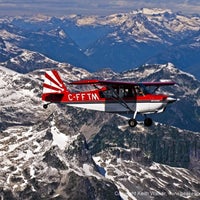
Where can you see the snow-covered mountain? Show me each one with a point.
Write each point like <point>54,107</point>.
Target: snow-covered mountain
<point>45,154</point>
<point>146,181</point>
<point>41,162</point>
<point>149,36</point>
<point>119,41</point>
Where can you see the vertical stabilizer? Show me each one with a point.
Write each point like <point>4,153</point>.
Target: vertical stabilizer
<point>53,86</point>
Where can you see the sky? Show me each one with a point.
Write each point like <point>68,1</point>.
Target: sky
<point>92,7</point>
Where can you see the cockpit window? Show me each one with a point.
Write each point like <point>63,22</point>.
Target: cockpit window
<point>124,91</point>
<point>121,92</point>
<point>143,89</point>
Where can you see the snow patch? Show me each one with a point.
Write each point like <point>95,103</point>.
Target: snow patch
<point>86,21</point>
<point>62,34</point>
<point>59,139</point>
<point>154,11</point>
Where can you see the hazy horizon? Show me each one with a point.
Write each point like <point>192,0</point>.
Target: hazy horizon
<point>92,7</point>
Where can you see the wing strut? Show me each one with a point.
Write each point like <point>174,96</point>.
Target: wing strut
<point>132,122</point>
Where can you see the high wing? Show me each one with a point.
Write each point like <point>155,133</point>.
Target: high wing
<point>110,82</point>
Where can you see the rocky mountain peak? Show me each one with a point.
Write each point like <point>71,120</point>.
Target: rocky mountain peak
<point>42,162</point>
<point>154,11</point>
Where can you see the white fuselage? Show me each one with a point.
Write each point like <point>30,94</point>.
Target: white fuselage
<point>116,107</point>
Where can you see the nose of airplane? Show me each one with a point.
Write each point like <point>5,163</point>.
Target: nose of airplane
<point>171,99</point>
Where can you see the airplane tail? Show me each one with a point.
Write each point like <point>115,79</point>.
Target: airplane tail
<point>53,87</point>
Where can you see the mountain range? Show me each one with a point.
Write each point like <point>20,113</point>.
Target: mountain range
<point>119,41</point>
<point>69,153</point>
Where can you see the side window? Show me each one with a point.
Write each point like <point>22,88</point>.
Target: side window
<point>106,94</point>
<point>128,92</point>
<point>117,92</point>
<point>109,93</point>
<point>121,92</point>
<point>125,92</point>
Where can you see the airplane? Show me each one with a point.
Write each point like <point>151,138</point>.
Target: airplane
<point>110,96</point>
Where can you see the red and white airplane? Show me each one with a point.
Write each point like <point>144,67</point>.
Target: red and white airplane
<point>108,96</point>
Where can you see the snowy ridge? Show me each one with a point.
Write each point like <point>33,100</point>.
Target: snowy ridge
<point>156,16</point>
<point>130,176</point>
<point>154,11</point>
<point>150,69</point>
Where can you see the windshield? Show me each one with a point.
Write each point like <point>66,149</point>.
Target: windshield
<point>144,89</point>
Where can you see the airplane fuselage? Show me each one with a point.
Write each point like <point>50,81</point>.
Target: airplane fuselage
<point>92,100</point>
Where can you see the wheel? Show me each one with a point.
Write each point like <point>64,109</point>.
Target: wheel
<point>148,122</point>
<point>132,122</point>
<point>45,106</point>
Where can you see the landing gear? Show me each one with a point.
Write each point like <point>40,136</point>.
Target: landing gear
<point>148,122</point>
<point>132,122</point>
<point>45,106</point>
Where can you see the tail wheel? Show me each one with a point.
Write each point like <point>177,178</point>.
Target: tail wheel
<point>148,122</point>
<point>45,106</point>
<point>132,122</point>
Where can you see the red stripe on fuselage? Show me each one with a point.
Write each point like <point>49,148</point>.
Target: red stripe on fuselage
<point>94,97</point>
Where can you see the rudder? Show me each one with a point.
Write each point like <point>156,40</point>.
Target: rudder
<point>53,87</point>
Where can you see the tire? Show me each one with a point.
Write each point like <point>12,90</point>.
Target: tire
<point>148,122</point>
<point>132,122</point>
<point>45,106</point>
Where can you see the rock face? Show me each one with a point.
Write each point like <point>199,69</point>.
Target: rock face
<point>137,180</point>
<point>163,144</point>
<point>43,163</point>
